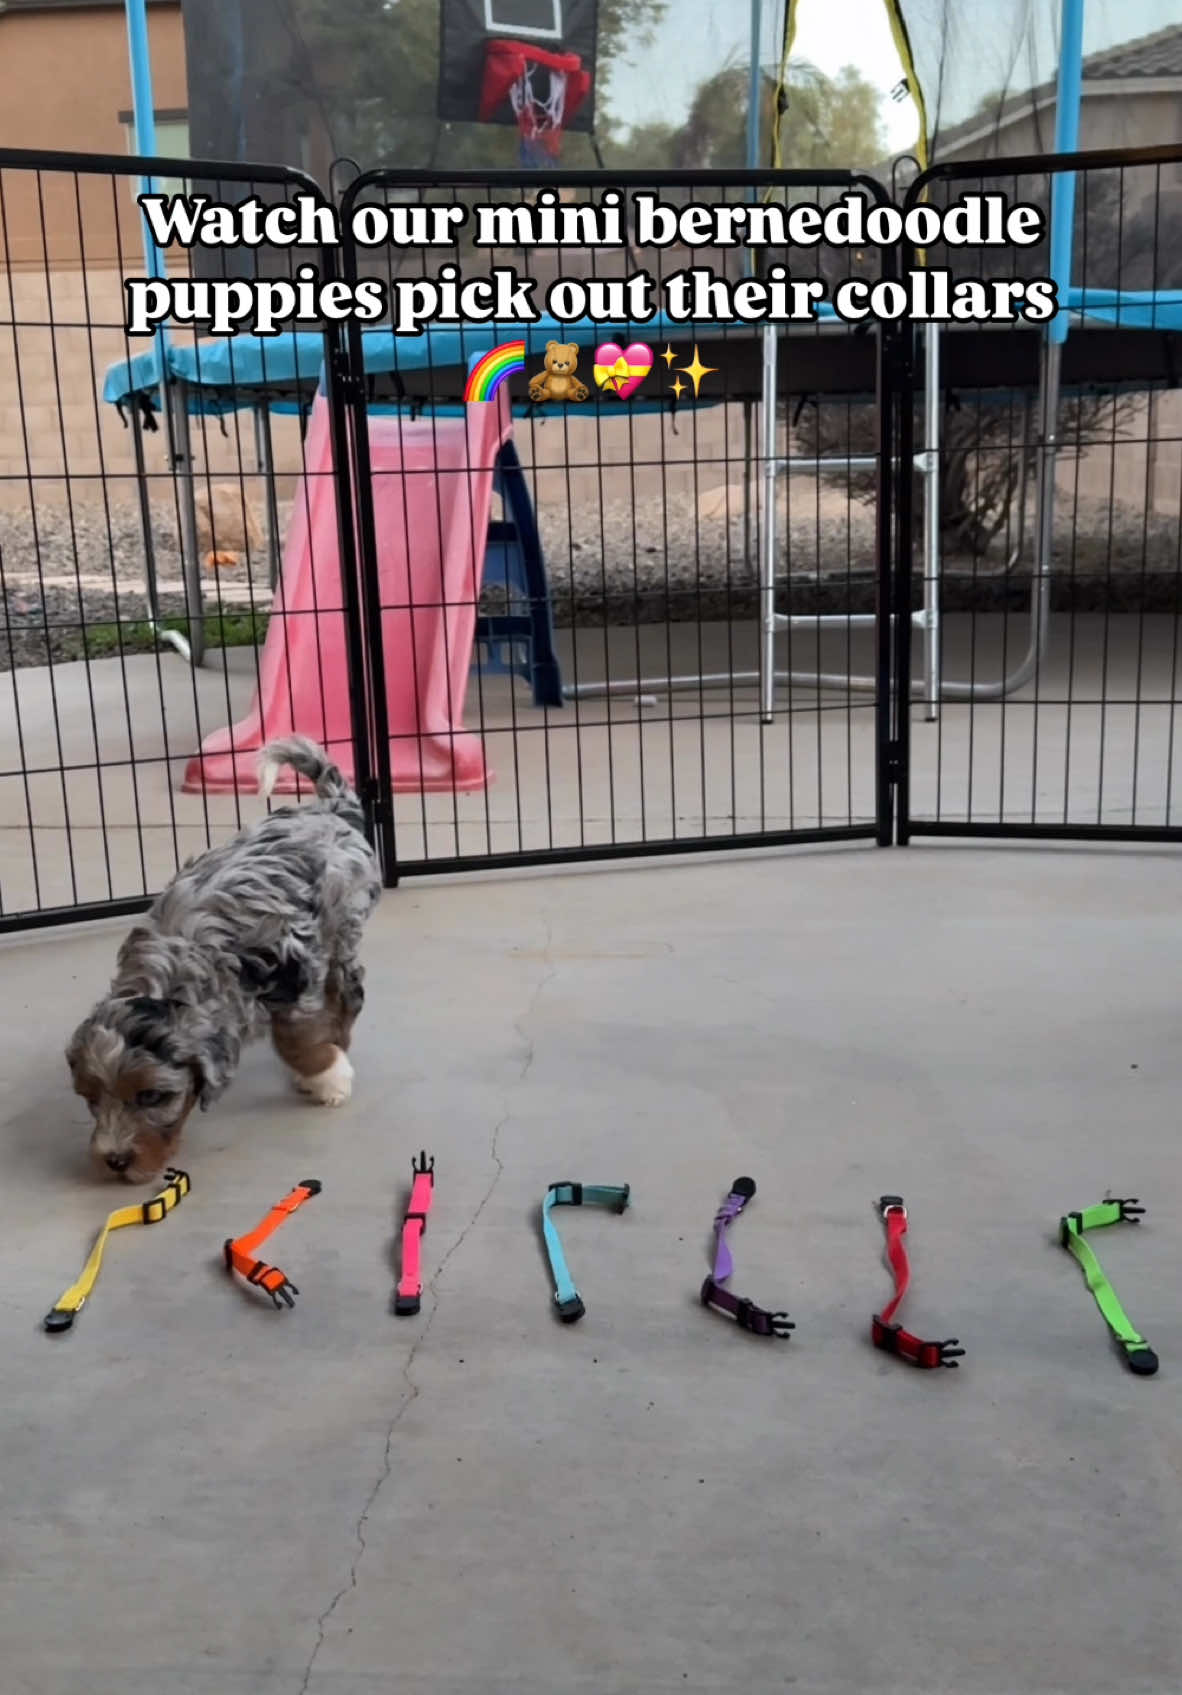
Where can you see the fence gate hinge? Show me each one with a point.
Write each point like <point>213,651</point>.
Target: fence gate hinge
<point>351,386</point>
<point>371,794</point>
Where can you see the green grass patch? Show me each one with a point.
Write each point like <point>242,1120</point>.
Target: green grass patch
<point>222,629</point>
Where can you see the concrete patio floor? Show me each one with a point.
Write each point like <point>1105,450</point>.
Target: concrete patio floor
<point>202,1496</point>
<point>91,807</point>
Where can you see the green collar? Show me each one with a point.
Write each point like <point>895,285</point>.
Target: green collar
<point>1139,1355</point>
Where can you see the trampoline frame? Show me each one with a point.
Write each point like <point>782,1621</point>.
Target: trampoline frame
<point>1144,354</point>
<point>1061,167</point>
<point>931,687</point>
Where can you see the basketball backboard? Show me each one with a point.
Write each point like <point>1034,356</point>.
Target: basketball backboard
<point>540,18</point>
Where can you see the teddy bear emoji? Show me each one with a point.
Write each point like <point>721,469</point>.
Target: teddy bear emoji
<point>558,380</point>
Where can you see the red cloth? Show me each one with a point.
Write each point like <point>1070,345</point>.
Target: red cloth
<point>505,63</point>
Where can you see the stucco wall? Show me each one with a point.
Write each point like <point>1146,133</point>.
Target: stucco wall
<point>64,80</point>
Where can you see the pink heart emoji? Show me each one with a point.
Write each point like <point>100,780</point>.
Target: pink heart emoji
<point>621,370</point>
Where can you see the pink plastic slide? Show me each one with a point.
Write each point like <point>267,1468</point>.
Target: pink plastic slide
<point>432,493</point>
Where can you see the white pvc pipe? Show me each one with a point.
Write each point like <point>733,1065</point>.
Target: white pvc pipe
<point>932,687</point>
<point>1040,586</point>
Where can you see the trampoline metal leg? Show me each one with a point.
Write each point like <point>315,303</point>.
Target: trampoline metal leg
<point>932,687</point>
<point>265,459</point>
<point>931,523</point>
<point>182,463</point>
<point>1023,484</point>
<point>172,638</point>
<point>1040,585</point>
<point>767,550</point>
<point>748,443</point>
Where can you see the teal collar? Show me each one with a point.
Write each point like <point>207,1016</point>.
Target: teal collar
<point>566,1296</point>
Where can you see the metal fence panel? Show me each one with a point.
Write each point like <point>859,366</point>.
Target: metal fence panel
<point>1044,697</point>
<point>674,592</point>
<point>144,508</point>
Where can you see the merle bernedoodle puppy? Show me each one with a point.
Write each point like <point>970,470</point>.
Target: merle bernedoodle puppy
<point>261,931</point>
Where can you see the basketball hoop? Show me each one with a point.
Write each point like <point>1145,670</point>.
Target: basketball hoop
<point>544,89</point>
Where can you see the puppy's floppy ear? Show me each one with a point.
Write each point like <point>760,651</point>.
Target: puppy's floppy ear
<point>150,1007</point>
<point>210,1067</point>
<point>201,1085</point>
<point>150,1022</point>
<point>277,979</point>
<point>134,939</point>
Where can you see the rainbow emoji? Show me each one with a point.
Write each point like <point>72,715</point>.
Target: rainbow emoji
<point>491,369</point>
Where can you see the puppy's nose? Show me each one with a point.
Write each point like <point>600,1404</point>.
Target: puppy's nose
<point>118,1162</point>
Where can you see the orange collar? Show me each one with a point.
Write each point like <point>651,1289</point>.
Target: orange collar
<point>240,1252</point>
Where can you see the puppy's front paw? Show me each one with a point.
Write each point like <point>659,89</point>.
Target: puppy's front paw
<point>332,1087</point>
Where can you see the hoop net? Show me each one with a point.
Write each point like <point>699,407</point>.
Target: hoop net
<point>544,89</point>
<point>539,119</point>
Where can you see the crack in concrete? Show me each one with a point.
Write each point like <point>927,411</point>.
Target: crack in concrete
<point>519,1025</point>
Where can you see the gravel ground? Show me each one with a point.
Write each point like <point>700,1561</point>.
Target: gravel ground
<point>618,562</point>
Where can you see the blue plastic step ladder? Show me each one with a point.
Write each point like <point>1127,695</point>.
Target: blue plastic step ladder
<point>518,643</point>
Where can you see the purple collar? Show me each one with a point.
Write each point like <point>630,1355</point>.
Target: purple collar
<point>745,1313</point>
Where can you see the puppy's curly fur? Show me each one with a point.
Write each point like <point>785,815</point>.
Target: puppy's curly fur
<point>264,929</point>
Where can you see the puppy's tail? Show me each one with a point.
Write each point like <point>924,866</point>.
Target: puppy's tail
<point>311,761</point>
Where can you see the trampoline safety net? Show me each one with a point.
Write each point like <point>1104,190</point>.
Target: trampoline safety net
<point>308,82</point>
<point>986,73</point>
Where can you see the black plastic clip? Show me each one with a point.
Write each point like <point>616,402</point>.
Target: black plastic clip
<point>286,1290</point>
<point>926,1355</point>
<point>891,1203</point>
<point>571,1310</point>
<point>1130,1211</point>
<point>283,1292</point>
<point>57,1320</point>
<point>312,1184</point>
<point>1065,1230</point>
<point>1141,1360</point>
<point>744,1186</point>
<point>151,1212</point>
<point>760,1323</point>
<point>424,1166</point>
<point>746,1314</point>
<point>885,1336</point>
<point>576,1193</point>
<point>405,1306</point>
<point>622,1204</point>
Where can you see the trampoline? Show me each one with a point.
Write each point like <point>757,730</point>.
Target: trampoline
<point>281,375</point>
<point>1124,339</point>
<point>961,66</point>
